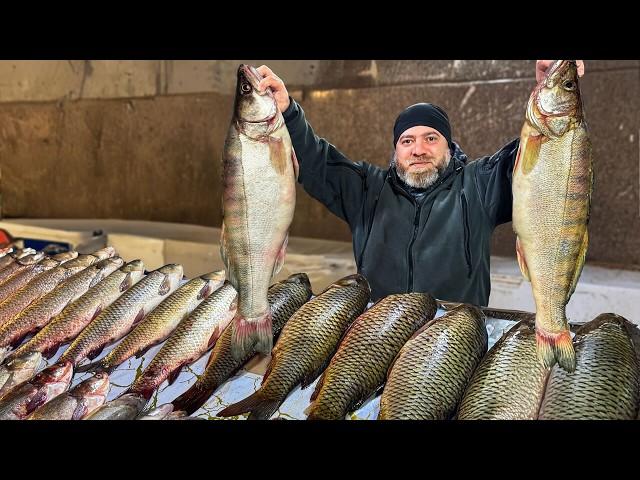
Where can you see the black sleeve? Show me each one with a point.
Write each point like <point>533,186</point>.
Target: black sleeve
<point>494,175</point>
<point>325,173</point>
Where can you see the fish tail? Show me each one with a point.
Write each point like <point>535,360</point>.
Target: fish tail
<point>556,347</point>
<point>254,333</point>
<point>192,399</point>
<point>260,408</point>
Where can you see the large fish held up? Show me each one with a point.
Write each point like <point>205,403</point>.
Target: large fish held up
<point>259,177</point>
<point>552,184</point>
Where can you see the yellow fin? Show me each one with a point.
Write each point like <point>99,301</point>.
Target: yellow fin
<point>530,153</point>
<point>579,264</point>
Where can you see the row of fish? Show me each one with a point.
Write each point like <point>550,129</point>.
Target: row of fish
<point>430,368</point>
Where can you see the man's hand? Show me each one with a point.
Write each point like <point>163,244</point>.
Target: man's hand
<point>542,65</point>
<point>277,87</point>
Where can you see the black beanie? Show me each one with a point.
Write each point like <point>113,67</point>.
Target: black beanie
<point>424,114</point>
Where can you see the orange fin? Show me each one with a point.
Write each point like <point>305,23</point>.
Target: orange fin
<point>531,152</point>
<point>248,333</point>
<point>556,347</point>
<point>579,264</point>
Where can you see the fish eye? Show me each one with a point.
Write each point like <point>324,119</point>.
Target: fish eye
<point>245,87</point>
<point>569,85</point>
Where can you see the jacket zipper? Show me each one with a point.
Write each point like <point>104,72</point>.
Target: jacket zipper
<point>416,224</point>
<point>467,249</point>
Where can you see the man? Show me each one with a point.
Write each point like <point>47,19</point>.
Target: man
<point>425,223</point>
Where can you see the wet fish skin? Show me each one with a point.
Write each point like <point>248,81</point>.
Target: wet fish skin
<point>552,186</point>
<point>285,298</point>
<point>306,344</point>
<point>510,382</point>
<point>196,334</point>
<point>122,315</point>
<point>9,257</point>
<point>163,320</point>
<point>42,310</point>
<point>125,407</point>
<point>606,382</point>
<point>429,375</point>
<point>259,178</point>
<point>157,413</point>
<point>366,352</point>
<point>17,371</point>
<point>21,279</point>
<point>78,402</point>
<point>28,396</point>
<point>68,324</point>
<point>19,265</point>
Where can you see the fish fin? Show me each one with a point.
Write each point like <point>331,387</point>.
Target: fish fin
<point>531,152</point>
<point>80,411</point>
<point>223,248</point>
<point>90,367</point>
<point>582,255</point>
<point>37,400</point>
<point>4,352</point>
<point>522,261</point>
<point>174,374</point>
<point>192,399</point>
<point>278,154</point>
<point>309,379</point>
<point>144,350</point>
<point>138,318</point>
<point>50,352</point>
<point>95,352</point>
<point>307,411</point>
<point>259,408</point>
<point>124,285</point>
<point>316,392</point>
<point>296,164</point>
<point>280,258</point>
<point>556,347</point>
<point>256,333</point>
<point>165,286</point>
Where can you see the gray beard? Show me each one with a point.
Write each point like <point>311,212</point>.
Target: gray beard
<point>421,179</point>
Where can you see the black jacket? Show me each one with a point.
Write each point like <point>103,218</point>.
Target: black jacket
<point>438,244</point>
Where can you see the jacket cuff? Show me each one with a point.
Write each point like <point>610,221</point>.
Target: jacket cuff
<point>291,111</point>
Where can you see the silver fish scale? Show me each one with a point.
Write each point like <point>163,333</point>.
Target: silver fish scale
<point>66,323</point>
<point>604,385</point>
<point>110,321</point>
<point>190,338</point>
<point>285,298</point>
<point>310,338</point>
<point>432,370</point>
<point>510,381</point>
<point>364,355</point>
<point>39,286</point>
<point>165,316</point>
<point>42,310</point>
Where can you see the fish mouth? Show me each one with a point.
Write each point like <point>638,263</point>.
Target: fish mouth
<point>253,77</point>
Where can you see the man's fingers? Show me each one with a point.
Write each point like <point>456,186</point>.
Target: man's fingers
<point>270,81</point>
<point>580,65</point>
<point>264,70</point>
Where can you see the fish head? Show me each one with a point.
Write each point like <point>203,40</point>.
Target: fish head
<point>134,271</point>
<point>112,262</point>
<point>105,252</point>
<point>251,104</point>
<point>556,104</point>
<point>213,281</point>
<point>355,280</point>
<point>173,274</point>
<point>97,385</point>
<point>30,361</point>
<point>299,278</point>
<point>60,372</point>
<point>65,256</point>
<point>83,261</point>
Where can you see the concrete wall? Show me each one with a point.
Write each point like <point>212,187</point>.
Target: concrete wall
<point>142,139</point>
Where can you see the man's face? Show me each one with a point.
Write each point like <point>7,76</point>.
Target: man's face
<point>422,154</point>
